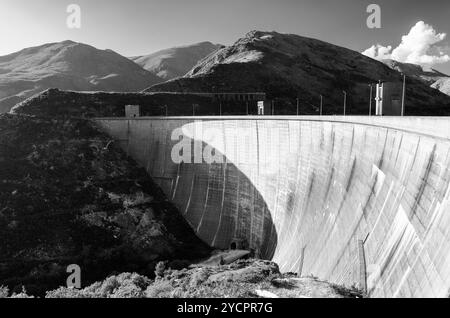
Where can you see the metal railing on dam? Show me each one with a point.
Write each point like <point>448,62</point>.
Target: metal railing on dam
<point>353,200</point>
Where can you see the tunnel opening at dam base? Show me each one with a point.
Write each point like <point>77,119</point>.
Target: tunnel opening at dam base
<point>356,201</point>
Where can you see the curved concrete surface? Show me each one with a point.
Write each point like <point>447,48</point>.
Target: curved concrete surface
<point>353,200</point>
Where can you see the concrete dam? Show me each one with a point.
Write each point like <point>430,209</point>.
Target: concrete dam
<point>358,201</point>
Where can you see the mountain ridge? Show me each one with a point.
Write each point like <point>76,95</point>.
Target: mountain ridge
<point>289,66</point>
<point>434,78</point>
<point>67,65</point>
<point>177,61</point>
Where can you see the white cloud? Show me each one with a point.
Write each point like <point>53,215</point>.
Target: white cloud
<point>378,52</point>
<point>419,46</point>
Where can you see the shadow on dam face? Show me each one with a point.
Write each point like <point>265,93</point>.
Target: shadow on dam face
<point>353,200</point>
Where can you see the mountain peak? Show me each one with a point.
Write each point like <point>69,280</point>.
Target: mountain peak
<point>259,34</point>
<point>177,61</point>
<point>67,65</point>
<point>287,66</point>
<point>68,42</point>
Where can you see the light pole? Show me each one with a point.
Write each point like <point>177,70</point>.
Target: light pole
<point>404,95</point>
<point>321,105</point>
<point>298,103</point>
<point>345,102</point>
<point>370,101</point>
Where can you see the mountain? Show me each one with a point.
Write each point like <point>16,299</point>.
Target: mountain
<point>442,84</point>
<point>175,62</point>
<point>67,65</point>
<point>288,66</point>
<point>431,77</point>
<point>414,70</point>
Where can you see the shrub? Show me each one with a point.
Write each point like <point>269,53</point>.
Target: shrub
<point>160,268</point>
<point>128,291</point>
<point>109,286</point>
<point>140,281</point>
<point>198,278</point>
<point>22,294</point>
<point>4,292</point>
<point>64,292</point>
<point>160,289</point>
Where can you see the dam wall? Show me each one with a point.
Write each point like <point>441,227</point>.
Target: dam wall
<point>358,201</point>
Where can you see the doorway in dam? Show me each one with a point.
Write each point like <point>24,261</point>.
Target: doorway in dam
<point>233,246</point>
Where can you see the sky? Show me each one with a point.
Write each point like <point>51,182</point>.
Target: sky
<point>137,27</point>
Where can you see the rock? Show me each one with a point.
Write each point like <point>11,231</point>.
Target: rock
<point>147,217</point>
<point>95,218</point>
<point>156,230</point>
<point>265,294</point>
<point>125,221</point>
<point>255,272</point>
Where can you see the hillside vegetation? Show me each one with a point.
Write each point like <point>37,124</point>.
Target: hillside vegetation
<point>70,196</point>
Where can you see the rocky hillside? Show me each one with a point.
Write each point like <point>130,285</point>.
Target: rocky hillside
<point>242,279</point>
<point>175,62</point>
<point>442,84</point>
<point>67,65</point>
<point>70,196</point>
<point>431,77</point>
<point>288,66</point>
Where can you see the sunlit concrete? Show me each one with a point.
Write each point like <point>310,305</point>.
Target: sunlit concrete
<point>354,200</point>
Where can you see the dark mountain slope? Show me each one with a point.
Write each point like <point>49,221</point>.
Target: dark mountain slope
<point>288,66</point>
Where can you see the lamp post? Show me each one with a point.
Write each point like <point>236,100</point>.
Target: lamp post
<point>370,101</point>
<point>345,102</point>
<point>298,104</point>
<point>404,95</point>
<point>321,105</point>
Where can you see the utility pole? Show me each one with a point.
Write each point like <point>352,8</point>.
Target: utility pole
<point>370,101</point>
<point>404,95</point>
<point>321,105</point>
<point>345,103</point>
